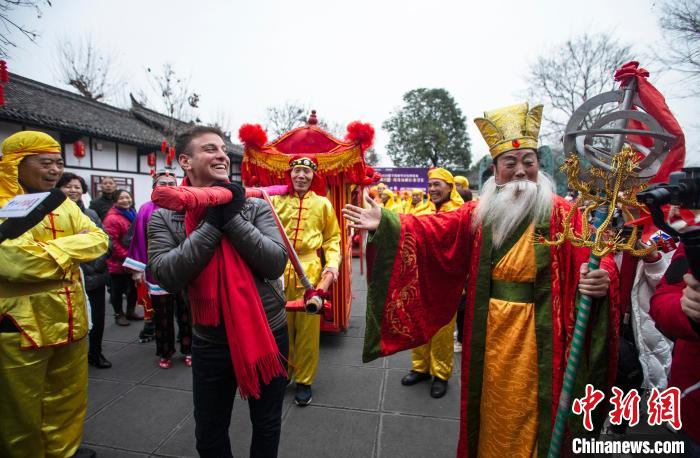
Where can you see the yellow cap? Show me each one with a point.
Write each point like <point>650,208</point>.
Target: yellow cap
<point>463,182</point>
<point>510,128</point>
<point>444,175</point>
<point>14,149</point>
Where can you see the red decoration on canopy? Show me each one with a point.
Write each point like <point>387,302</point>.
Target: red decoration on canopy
<point>79,150</point>
<point>2,95</point>
<point>151,159</point>
<point>163,146</point>
<point>252,135</point>
<point>313,120</point>
<point>362,133</point>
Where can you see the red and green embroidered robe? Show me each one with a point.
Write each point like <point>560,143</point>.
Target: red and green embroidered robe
<point>417,278</point>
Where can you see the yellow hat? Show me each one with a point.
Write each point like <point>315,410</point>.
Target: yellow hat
<point>510,128</point>
<point>442,174</point>
<point>463,182</point>
<point>15,148</point>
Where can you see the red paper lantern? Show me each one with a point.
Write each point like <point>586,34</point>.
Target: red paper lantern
<point>79,149</point>
<point>4,76</point>
<point>163,146</point>
<point>151,159</point>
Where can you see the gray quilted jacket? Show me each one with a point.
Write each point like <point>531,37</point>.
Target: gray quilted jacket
<point>176,259</point>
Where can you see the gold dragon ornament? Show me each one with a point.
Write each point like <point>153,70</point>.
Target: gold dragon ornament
<point>610,190</point>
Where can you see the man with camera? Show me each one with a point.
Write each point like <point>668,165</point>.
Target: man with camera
<point>675,307</point>
<point>228,260</point>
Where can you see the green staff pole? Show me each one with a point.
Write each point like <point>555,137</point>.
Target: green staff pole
<point>575,353</point>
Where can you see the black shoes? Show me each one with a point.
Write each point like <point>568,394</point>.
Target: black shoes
<point>99,361</point>
<point>148,332</point>
<point>414,377</point>
<point>438,388</point>
<point>303,396</point>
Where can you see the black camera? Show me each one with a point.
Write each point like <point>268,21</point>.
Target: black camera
<point>683,190</point>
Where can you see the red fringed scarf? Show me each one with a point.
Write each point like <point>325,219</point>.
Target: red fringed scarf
<point>226,287</point>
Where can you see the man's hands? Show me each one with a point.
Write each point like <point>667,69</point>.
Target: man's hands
<point>593,283</point>
<point>690,301</point>
<point>218,216</point>
<point>364,218</point>
<point>137,277</point>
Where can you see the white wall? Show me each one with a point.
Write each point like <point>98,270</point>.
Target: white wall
<point>128,158</point>
<point>106,158</point>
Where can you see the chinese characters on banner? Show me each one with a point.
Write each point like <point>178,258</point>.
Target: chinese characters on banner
<point>662,406</point>
<point>396,178</point>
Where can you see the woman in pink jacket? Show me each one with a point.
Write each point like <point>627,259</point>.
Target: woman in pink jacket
<point>116,225</point>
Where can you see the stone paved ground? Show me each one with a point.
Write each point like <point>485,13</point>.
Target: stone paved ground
<point>136,409</point>
<point>359,410</point>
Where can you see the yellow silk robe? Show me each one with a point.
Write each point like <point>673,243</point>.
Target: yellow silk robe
<point>310,224</point>
<point>50,252</point>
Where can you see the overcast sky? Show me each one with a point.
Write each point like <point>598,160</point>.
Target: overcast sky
<point>347,59</point>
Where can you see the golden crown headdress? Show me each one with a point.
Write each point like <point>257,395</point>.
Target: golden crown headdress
<point>509,128</point>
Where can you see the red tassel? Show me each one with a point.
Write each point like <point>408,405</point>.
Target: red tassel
<point>4,76</point>
<point>362,133</point>
<point>2,95</point>
<point>252,135</point>
<point>163,146</point>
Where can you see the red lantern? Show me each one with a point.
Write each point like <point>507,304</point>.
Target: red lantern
<point>79,150</point>
<point>163,146</point>
<point>151,159</point>
<point>4,76</point>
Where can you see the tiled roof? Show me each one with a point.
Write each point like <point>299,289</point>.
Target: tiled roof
<point>36,103</point>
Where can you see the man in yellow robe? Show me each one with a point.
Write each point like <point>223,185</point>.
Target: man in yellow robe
<point>310,224</point>
<point>389,201</point>
<point>43,352</point>
<point>435,357</point>
<point>417,206</point>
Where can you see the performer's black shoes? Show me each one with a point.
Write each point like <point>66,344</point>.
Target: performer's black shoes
<point>99,361</point>
<point>414,377</point>
<point>438,388</point>
<point>303,396</point>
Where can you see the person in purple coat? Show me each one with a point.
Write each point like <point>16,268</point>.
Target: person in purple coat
<point>166,306</point>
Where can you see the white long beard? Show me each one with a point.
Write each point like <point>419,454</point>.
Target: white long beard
<point>504,207</point>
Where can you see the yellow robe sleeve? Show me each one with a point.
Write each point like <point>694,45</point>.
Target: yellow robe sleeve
<point>331,237</point>
<point>29,259</point>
